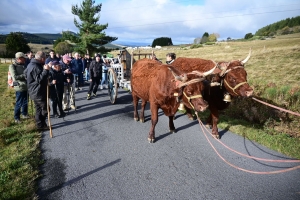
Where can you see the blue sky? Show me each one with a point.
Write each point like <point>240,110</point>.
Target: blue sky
<point>144,20</point>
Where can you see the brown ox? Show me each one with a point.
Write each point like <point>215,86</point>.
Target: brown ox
<point>163,87</point>
<point>227,78</point>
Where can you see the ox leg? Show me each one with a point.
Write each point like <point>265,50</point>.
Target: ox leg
<point>209,121</point>
<point>142,113</point>
<point>171,124</point>
<point>154,120</point>
<point>135,106</point>
<point>215,120</point>
<point>189,113</point>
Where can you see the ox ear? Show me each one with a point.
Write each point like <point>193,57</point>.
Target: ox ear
<point>177,77</point>
<point>223,67</point>
<point>246,59</point>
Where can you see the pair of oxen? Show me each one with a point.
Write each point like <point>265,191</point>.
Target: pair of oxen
<point>195,82</point>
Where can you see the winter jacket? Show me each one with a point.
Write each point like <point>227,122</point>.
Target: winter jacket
<point>60,79</point>
<point>17,73</point>
<point>77,66</point>
<point>96,69</point>
<point>67,76</point>
<point>37,80</point>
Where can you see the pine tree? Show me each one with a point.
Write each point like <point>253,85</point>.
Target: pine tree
<point>15,42</point>
<point>91,32</point>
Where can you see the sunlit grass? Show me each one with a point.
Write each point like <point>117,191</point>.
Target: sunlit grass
<point>19,148</point>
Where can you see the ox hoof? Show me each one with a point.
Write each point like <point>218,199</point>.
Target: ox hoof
<point>142,120</point>
<point>136,119</point>
<point>216,136</point>
<point>173,131</point>
<point>208,126</point>
<point>191,118</point>
<point>151,140</point>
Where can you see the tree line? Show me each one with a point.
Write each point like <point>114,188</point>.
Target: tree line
<point>281,25</point>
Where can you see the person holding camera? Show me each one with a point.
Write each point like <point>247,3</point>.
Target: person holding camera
<point>37,73</point>
<point>16,70</point>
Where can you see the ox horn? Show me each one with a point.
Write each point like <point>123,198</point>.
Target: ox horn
<point>246,59</point>
<point>204,73</point>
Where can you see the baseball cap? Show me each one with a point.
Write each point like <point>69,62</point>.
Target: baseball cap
<point>66,57</point>
<point>55,63</point>
<point>20,55</point>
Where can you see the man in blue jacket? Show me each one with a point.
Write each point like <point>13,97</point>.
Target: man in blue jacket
<point>37,82</point>
<point>78,70</point>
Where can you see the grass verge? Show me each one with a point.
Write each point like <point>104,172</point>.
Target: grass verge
<point>19,148</point>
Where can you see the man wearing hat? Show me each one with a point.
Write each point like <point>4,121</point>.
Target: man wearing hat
<point>96,74</point>
<point>16,70</point>
<point>56,80</point>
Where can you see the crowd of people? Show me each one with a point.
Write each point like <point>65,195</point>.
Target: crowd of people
<point>33,75</point>
<point>56,77</point>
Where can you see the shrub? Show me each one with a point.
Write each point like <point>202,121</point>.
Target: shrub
<point>194,46</point>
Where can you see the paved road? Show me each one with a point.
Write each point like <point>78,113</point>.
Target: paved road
<point>102,153</point>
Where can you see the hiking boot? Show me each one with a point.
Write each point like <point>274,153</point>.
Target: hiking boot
<point>43,128</point>
<point>73,107</point>
<point>88,97</point>
<point>94,94</point>
<point>17,121</point>
<point>25,116</point>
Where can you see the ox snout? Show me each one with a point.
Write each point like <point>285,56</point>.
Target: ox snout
<point>201,105</point>
<point>249,93</point>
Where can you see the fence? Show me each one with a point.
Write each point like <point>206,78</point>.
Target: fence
<point>6,60</point>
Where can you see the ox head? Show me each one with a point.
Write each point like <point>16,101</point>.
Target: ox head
<point>191,87</point>
<point>235,77</point>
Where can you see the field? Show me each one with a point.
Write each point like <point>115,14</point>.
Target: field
<point>273,70</point>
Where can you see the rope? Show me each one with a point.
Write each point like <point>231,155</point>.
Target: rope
<point>284,110</point>
<point>242,169</point>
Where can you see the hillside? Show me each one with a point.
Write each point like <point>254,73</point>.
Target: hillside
<point>283,27</point>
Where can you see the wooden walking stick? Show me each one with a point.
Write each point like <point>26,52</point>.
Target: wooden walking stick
<point>48,110</point>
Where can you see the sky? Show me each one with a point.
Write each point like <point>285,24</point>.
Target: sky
<point>141,21</point>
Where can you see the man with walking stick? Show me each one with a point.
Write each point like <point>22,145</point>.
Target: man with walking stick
<point>56,83</point>
<point>37,82</point>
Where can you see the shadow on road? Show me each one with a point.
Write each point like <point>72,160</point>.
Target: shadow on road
<point>47,192</point>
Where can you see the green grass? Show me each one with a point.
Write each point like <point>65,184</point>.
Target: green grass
<point>19,148</point>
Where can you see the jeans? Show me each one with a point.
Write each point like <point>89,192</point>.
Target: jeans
<point>78,78</point>
<point>87,74</point>
<point>104,79</point>
<point>21,102</point>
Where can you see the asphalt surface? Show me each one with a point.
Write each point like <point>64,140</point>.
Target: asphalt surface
<point>102,153</point>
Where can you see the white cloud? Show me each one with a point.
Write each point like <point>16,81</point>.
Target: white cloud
<point>142,21</point>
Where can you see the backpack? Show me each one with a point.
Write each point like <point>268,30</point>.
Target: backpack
<point>10,81</point>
